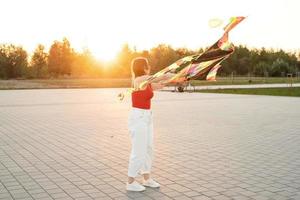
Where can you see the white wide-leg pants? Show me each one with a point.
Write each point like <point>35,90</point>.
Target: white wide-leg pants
<point>140,125</point>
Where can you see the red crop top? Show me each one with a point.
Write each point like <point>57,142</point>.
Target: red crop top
<point>142,98</point>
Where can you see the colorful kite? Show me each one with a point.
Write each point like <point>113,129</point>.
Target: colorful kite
<point>215,23</point>
<point>202,66</point>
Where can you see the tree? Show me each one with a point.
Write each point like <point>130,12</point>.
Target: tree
<point>123,61</point>
<point>13,61</point>
<point>39,62</point>
<point>279,67</point>
<point>4,64</point>
<point>61,57</point>
<point>262,68</point>
<point>84,64</point>
<point>162,56</point>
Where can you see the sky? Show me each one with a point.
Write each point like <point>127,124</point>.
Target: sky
<point>103,26</point>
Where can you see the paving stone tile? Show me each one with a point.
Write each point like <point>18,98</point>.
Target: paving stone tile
<point>74,144</point>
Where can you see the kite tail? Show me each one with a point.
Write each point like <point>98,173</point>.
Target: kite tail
<point>211,76</point>
<point>232,23</point>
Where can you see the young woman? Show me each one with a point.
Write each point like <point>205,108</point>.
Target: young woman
<point>140,126</point>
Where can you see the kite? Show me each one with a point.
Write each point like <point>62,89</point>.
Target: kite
<point>203,66</point>
<point>215,22</point>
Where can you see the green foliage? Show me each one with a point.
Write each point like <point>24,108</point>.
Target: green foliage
<point>39,63</point>
<point>260,62</point>
<point>262,68</point>
<point>85,65</point>
<point>162,56</point>
<point>121,67</point>
<point>62,60</point>
<point>13,61</point>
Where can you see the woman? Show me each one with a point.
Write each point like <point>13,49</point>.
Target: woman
<point>140,126</point>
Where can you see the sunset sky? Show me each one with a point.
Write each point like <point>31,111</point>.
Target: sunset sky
<point>104,26</point>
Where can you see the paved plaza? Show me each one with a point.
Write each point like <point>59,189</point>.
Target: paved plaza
<point>73,144</point>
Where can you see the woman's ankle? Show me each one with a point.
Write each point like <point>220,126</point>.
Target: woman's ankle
<point>146,176</point>
<point>130,180</point>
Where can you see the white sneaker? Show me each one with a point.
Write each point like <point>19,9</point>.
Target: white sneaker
<point>151,183</point>
<point>135,186</point>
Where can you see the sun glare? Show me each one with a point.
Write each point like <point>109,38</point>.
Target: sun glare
<point>104,50</point>
<point>105,55</point>
<point>103,27</point>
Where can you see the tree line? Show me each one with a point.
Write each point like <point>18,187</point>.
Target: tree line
<point>63,61</point>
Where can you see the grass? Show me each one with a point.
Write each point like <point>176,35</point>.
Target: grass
<point>117,83</point>
<point>64,83</point>
<point>291,91</point>
<point>246,81</point>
